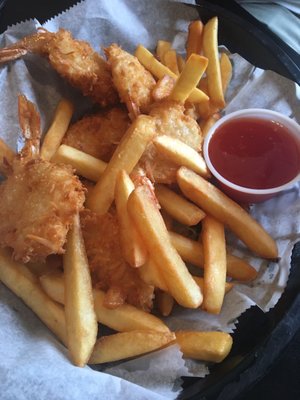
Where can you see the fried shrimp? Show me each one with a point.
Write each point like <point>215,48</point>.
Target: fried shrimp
<point>74,60</point>
<point>98,134</point>
<point>171,120</point>
<point>110,271</point>
<point>38,198</point>
<point>133,82</point>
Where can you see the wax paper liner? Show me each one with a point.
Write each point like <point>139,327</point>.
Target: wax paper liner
<point>32,362</point>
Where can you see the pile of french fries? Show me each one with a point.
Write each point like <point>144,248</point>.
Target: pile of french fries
<point>66,301</point>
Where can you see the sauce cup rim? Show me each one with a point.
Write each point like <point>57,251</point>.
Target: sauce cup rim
<point>292,126</point>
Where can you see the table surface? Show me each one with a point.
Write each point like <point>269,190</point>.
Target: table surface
<point>281,380</point>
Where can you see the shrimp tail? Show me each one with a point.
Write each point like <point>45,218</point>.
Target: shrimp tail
<point>30,124</point>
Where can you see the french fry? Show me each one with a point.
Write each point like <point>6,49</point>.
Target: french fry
<point>54,285</point>
<point>126,156</point>
<point>168,220</point>
<point>170,61</point>
<point>181,154</point>
<point>226,71</point>
<point>126,317</point>
<point>214,249</point>
<point>231,214</point>
<point>164,302</point>
<point>188,79</point>
<point>85,165</point>
<point>162,47</point>
<point>205,346</point>
<point>203,84</point>
<point>208,110</point>
<point>128,344</point>
<point>79,304</point>
<point>144,212</point>
<point>159,71</point>
<point>6,155</point>
<point>210,50</point>
<point>150,273</point>
<point>180,62</point>
<point>192,251</point>
<point>178,207</point>
<point>194,40</point>
<point>57,130</point>
<point>122,319</point>
<point>208,123</point>
<point>25,285</point>
<point>200,281</point>
<point>133,249</point>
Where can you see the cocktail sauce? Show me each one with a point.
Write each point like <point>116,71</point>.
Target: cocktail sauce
<point>255,153</point>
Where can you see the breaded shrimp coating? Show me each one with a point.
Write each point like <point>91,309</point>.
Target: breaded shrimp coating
<point>110,272</point>
<point>171,120</point>
<point>38,201</point>
<point>133,82</point>
<point>38,198</point>
<point>74,60</point>
<point>98,134</point>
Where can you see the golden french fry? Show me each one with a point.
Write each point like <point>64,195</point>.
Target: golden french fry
<point>133,248</point>
<point>162,47</point>
<point>226,71</point>
<point>231,214</point>
<point>180,62</point>
<point>145,213</point>
<point>126,317</point>
<point>54,285</point>
<point>192,251</point>
<point>57,130</point>
<point>163,88</point>
<point>25,285</point>
<point>79,304</point>
<point>205,346</point>
<point>85,165</point>
<point>164,302</point>
<point>150,273</point>
<point>6,156</point>
<point>188,79</point>
<point>178,207</point>
<point>200,281</point>
<point>170,60</point>
<point>208,123</point>
<point>159,71</point>
<point>208,110</point>
<point>123,318</point>
<point>168,220</point>
<point>181,154</point>
<point>126,156</point>
<point>194,40</point>
<point>214,249</point>
<point>203,84</point>
<point>210,50</point>
<point>128,344</point>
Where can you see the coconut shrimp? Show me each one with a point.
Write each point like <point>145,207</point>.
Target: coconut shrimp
<point>171,120</point>
<point>38,198</point>
<point>74,60</point>
<point>110,272</point>
<point>98,134</point>
<point>133,82</point>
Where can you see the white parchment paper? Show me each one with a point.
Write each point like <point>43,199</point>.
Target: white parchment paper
<point>32,363</point>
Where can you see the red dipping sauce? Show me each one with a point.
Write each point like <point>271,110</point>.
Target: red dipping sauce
<point>255,153</point>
